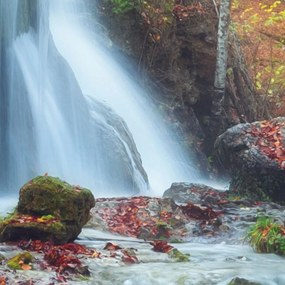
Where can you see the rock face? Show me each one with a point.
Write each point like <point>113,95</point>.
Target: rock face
<point>119,156</point>
<point>180,57</point>
<point>255,156</point>
<point>48,209</point>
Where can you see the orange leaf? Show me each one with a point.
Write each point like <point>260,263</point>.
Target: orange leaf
<point>26,267</point>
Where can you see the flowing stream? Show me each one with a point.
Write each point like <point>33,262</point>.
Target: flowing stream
<point>210,264</point>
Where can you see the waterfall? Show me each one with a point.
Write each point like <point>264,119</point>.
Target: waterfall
<point>70,110</point>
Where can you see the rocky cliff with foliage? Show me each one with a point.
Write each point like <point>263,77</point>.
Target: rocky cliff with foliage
<point>173,46</point>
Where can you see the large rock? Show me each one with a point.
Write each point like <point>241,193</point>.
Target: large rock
<point>255,156</point>
<point>48,209</point>
<point>194,193</point>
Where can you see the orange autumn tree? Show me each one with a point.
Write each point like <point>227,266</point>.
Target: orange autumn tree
<point>261,28</point>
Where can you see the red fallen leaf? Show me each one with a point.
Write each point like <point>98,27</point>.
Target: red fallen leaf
<point>279,152</point>
<point>199,213</point>
<point>261,142</point>
<point>76,248</point>
<point>270,133</point>
<point>129,259</point>
<point>161,246</point>
<point>35,245</point>
<point>61,278</point>
<point>111,246</point>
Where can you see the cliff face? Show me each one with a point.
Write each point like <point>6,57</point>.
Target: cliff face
<point>178,60</point>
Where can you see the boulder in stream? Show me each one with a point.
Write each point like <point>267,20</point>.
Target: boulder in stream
<point>49,209</point>
<point>255,156</point>
<point>195,193</point>
<point>242,281</point>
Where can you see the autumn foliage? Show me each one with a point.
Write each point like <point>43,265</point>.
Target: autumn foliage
<point>269,140</point>
<point>260,25</point>
<point>151,218</point>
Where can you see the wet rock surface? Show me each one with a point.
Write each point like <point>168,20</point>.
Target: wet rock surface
<point>206,213</point>
<point>207,216</point>
<point>242,281</point>
<point>194,193</point>
<point>255,156</point>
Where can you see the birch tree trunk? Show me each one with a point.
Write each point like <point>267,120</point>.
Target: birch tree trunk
<point>222,55</point>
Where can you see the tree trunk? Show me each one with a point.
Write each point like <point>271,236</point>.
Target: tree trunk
<point>222,55</point>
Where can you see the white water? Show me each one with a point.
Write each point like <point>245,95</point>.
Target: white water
<point>51,127</point>
<point>100,76</point>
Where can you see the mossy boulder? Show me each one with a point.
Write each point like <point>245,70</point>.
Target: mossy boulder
<point>45,195</point>
<point>48,209</point>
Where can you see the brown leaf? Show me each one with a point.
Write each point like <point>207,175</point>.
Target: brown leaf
<point>161,246</point>
<point>111,246</point>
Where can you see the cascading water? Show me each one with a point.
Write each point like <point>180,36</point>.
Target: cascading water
<point>101,77</point>
<point>48,125</point>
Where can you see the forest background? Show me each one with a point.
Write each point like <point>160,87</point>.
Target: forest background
<point>261,28</point>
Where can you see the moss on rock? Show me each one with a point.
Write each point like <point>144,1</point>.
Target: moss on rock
<point>19,260</point>
<point>48,209</point>
<point>46,195</point>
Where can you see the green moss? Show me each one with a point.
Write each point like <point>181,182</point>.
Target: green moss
<point>163,225</point>
<point>46,195</point>
<point>178,255</point>
<point>17,261</point>
<point>123,6</point>
<point>47,217</point>
<point>175,240</point>
<point>21,227</point>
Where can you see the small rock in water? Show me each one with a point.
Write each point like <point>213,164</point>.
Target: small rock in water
<point>242,281</point>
